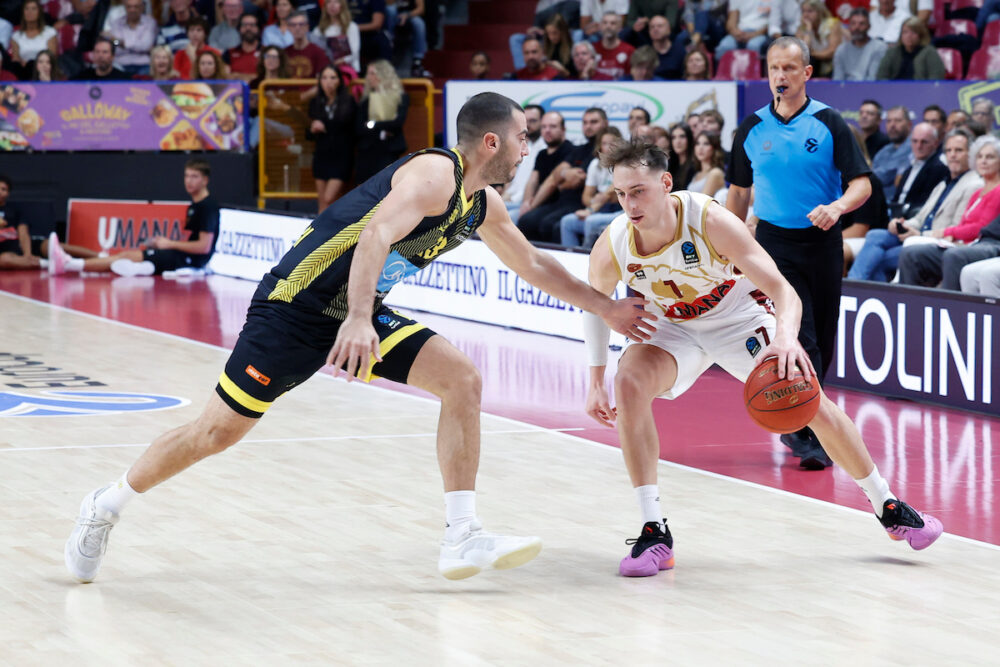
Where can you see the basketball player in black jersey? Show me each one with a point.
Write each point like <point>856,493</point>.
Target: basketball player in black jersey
<point>322,304</point>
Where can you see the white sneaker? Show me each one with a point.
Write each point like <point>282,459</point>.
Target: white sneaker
<point>57,256</point>
<point>126,267</point>
<point>479,550</point>
<point>89,540</point>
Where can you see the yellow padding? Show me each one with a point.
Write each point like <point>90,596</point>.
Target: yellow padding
<point>386,345</point>
<point>240,396</point>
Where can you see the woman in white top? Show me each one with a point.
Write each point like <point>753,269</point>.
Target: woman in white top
<point>822,33</point>
<point>708,152</point>
<point>581,229</point>
<point>339,35</point>
<point>278,34</point>
<point>32,35</point>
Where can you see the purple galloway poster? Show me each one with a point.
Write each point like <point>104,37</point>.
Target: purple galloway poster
<point>847,96</point>
<point>126,115</point>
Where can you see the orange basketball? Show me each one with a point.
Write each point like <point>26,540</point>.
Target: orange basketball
<point>780,406</point>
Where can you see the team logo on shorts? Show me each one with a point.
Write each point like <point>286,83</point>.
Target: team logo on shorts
<point>258,376</point>
<point>690,253</point>
<point>388,321</point>
<point>753,346</point>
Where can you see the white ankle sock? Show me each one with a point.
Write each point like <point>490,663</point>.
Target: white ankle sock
<point>649,503</point>
<point>43,263</point>
<point>116,496</point>
<point>75,264</point>
<point>459,512</point>
<point>877,490</point>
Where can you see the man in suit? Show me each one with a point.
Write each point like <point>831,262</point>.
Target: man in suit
<point>924,173</point>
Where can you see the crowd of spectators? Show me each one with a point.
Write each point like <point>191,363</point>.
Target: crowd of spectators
<point>160,39</point>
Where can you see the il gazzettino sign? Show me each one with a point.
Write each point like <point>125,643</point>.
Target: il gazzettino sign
<point>251,243</point>
<point>666,102</point>
<point>922,344</point>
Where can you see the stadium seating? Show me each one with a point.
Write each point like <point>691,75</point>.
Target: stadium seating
<point>985,61</point>
<point>957,27</point>
<point>952,59</point>
<point>739,64</point>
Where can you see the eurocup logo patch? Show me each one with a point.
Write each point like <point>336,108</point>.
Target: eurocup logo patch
<point>81,403</point>
<point>753,346</point>
<point>690,253</point>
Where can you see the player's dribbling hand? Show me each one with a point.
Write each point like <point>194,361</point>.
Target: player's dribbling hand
<point>628,316</point>
<point>825,216</point>
<point>354,349</point>
<point>599,407</point>
<point>790,354</point>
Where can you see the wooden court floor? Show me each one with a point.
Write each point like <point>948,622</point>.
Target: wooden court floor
<point>315,540</point>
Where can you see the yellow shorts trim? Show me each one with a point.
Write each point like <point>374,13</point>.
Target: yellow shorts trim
<point>241,397</point>
<point>385,345</point>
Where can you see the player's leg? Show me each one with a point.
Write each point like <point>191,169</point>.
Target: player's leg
<point>431,363</point>
<point>71,250</point>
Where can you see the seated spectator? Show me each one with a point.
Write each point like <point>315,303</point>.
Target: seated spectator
<point>585,63</point>
<point>871,215</point>
<point>568,9</point>
<point>693,121</point>
<point>381,117</point>
<point>242,61</point>
<point>600,204</point>
<point>46,68</point>
<point>136,34</point>
<point>161,254</point>
<point>914,58</point>
<point>704,22</point>
<point>670,53</point>
<point>161,64</point>
<point>682,160</point>
<point>210,66</point>
<point>822,33</point>
<point>6,31</point>
<point>929,263</point>
<point>516,43</point>
<point>642,65</point>
<point>708,177</point>
<point>197,33</point>
<point>102,67</point>
<point>870,124</point>
<point>982,277</point>
<point>273,65</point>
<point>956,118</point>
<point>612,52</point>
<point>697,66</point>
<point>591,12</point>
<point>746,27</point>
<point>226,33</point>
<point>558,46</point>
<point>278,33</point>
<point>305,59</point>
<point>893,158</point>
<point>935,116</point>
<point>333,113</point>
<point>174,30</point>
<point>536,68</point>
<point>513,192</point>
<point>924,173</point>
<point>339,34</point>
<point>641,12</point>
<point>32,35</point>
<point>886,21</point>
<point>858,58</point>
<point>661,138</point>
<point>479,66</point>
<point>18,248</point>
<point>637,116</point>
<point>553,133</point>
<point>785,18</point>
<point>407,16</point>
<point>878,258</point>
<point>984,113</point>
<point>370,17</point>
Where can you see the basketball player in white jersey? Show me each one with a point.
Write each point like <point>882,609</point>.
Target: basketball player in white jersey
<point>680,251</point>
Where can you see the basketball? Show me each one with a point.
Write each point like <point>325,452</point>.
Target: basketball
<point>780,406</point>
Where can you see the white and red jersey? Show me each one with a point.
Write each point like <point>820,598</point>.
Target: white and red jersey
<point>684,279</point>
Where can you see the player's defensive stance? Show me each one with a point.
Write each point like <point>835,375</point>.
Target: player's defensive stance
<point>679,250</point>
<point>322,304</point>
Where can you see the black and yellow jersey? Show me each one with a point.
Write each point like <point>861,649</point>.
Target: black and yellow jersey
<point>313,274</point>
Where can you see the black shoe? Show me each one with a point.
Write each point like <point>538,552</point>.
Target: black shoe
<point>651,552</point>
<point>815,458</point>
<point>800,441</point>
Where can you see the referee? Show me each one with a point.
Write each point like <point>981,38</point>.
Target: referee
<point>799,153</point>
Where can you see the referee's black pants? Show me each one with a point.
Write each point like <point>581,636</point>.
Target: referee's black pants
<point>812,260</point>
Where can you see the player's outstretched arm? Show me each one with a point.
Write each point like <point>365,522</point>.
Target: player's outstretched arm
<point>422,187</point>
<point>603,276</point>
<point>543,271</point>
<point>730,238</point>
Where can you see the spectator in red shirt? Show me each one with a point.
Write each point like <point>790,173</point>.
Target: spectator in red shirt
<point>612,52</point>
<point>244,58</point>
<point>197,33</point>
<point>535,66</point>
<point>305,59</point>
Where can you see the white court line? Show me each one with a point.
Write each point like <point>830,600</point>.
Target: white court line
<point>531,427</point>
<point>324,438</point>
